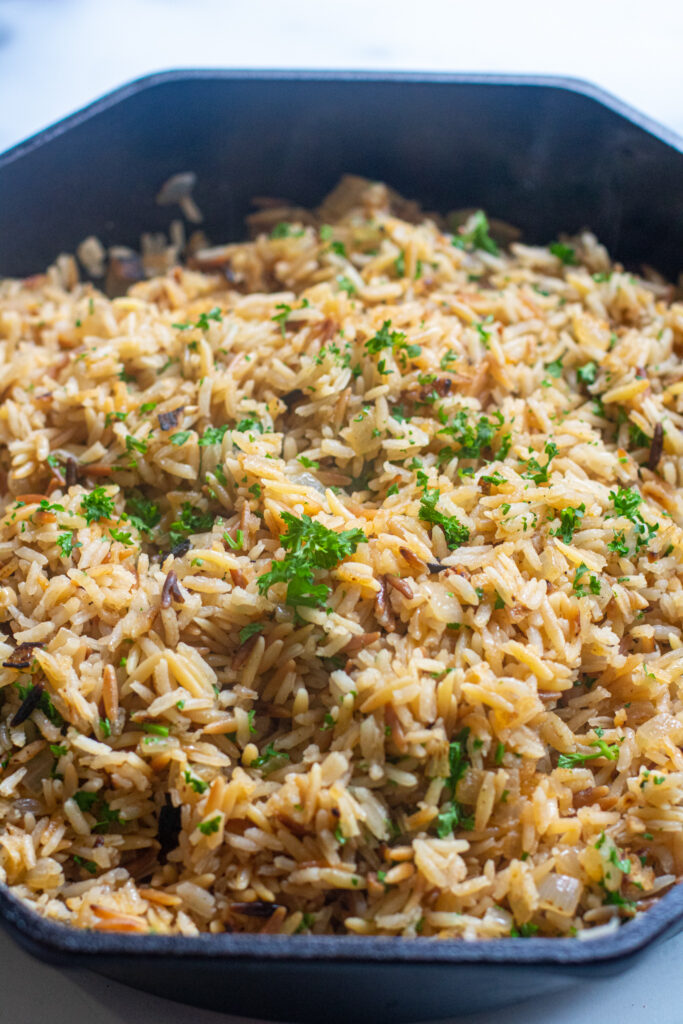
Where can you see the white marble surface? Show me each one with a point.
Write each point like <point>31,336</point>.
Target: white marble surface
<point>58,54</point>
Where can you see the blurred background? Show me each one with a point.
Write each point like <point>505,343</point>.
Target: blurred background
<point>56,55</point>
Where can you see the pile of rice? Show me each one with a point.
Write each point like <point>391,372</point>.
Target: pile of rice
<point>341,583</point>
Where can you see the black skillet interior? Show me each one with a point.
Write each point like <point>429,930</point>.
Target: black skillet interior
<point>549,155</point>
<point>543,154</point>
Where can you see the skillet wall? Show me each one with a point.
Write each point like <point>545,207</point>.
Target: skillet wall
<point>541,156</point>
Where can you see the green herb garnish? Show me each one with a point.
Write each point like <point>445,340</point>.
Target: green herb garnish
<point>570,520</point>
<point>627,502</point>
<point>210,827</point>
<point>455,532</point>
<point>66,543</point>
<point>587,374</point>
<point>250,630</point>
<point>89,865</point>
<point>451,815</point>
<point>565,253</point>
<point>190,520</point>
<point>268,755</point>
<point>121,536</point>
<point>144,514</point>
<point>478,237</point>
<point>281,317</point>
<point>608,750</point>
<point>212,435</point>
<point>310,546</point>
<point>155,730</point>
<point>197,784</point>
<point>97,505</point>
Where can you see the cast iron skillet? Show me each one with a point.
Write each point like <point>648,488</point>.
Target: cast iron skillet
<point>547,154</point>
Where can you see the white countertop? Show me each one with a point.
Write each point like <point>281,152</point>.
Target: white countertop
<point>33,992</point>
<point>56,55</point>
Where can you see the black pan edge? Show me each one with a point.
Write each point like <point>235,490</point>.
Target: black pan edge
<point>564,83</point>
<point>57,941</point>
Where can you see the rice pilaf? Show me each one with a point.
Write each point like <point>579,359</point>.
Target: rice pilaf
<point>341,584</point>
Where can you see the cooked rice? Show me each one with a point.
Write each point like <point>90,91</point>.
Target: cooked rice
<point>385,762</point>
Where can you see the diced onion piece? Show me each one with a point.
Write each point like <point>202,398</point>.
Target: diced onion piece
<point>560,893</point>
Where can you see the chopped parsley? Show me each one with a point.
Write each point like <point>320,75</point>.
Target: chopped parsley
<point>604,749</point>
<point>619,545</point>
<point>593,581</point>
<point>251,629</point>
<point>203,321</point>
<point>204,318</point>
<point>89,865</point>
<point>190,520</point>
<point>121,536</point>
<point>622,863</point>
<point>281,317</point>
<point>565,253</point>
<point>44,703</point>
<point>155,730</point>
<point>615,899</point>
<point>135,444</point>
<point>197,784</point>
<point>237,543</point>
<point>268,755</point>
<point>66,543</point>
<point>85,799</point>
<point>339,249</point>
<point>180,437</point>
<point>587,374</point>
<point>393,340</point>
<point>627,502</point>
<point>525,931</point>
<point>249,423</point>
<point>309,546</point>
<point>109,418</point>
<point>211,826</point>
<point>495,478</point>
<point>555,368</point>
<point>345,285</point>
<point>570,520</point>
<point>637,437</point>
<point>144,514</point>
<point>534,471</point>
<point>455,532</point>
<point>212,435</point>
<point>451,814</point>
<point>284,230</point>
<point>478,237</point>
<point>97,505</point>
<point>472,439</point>
<point>45,506</point>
